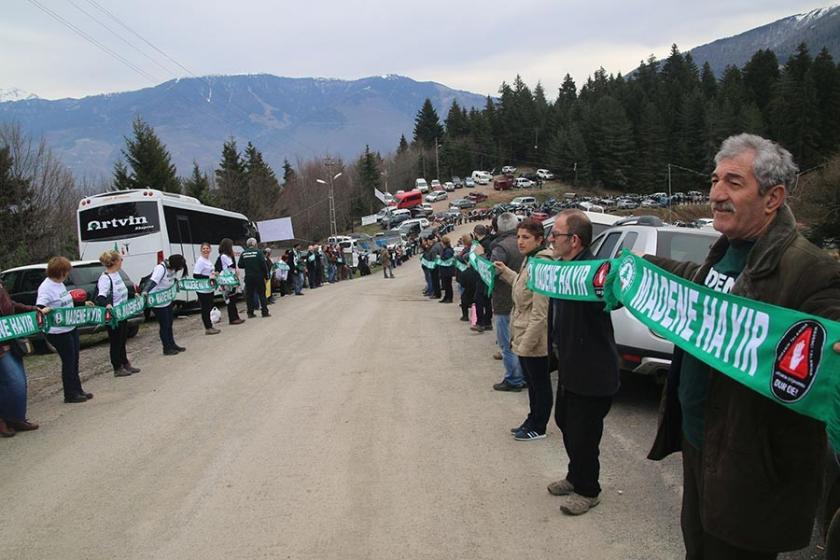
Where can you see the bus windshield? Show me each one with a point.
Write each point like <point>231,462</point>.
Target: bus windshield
<point>119,221</point>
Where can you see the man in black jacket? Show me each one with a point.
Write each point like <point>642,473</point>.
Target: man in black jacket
<point>581,336</point>
<point>253,263</point>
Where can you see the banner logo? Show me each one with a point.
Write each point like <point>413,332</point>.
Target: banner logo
<point>798,356</point>
<point>94,225</point>
<point>600,278</point>
<point>626,273</point>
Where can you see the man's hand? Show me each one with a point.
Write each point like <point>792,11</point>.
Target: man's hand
<point>500,267</point>
<point>46,310</point>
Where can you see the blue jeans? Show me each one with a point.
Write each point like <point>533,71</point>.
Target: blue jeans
<point>428,274</point>
<point>165,318</point>
<point>12,388</point>
<point>297,282</point>
<point>513,370</point>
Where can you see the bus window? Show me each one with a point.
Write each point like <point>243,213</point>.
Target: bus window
<point>203,226</point>
<point>119,221</point>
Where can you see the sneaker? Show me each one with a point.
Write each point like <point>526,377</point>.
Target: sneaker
<point>505,386</point>
<point>529,435</point>
<point>212,331</point>
<point>561,488</point>
<point>522,426</point>
<point>578,505</point>
<point>497,356</point>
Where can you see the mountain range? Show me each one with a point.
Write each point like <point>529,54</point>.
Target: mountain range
<point>307,117</point>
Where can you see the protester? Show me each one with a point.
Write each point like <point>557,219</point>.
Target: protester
<point>752,468</point>
<point>52,294</point>
<point>467,278</point>
<point>529,332</point>
<point>581,336</point>
<point>227,263</point>
<point>269,264</point>
<point>12,375</point>
<point>435,251</point>
<point>256,272</point>
<point>296,270</point>
<point>504,249</point>
<point>483,304</point>
<point>203,269</point>
<point>311,273</point>
<point>112,291</point>
<point>447,269</point>
<point>163,278</point>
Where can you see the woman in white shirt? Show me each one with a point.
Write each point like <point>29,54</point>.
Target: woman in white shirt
<point>227,261</point>
<point>162,279</point>
<point>204,269</point>
<point>52,294</point>
<point>111,290</point>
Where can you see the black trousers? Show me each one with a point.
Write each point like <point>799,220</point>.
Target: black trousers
<point>483,306</point>
<point>700,545</point>
<point>206,302</point>
<point>540,395</point>
<point>446,284</point>
<point>67,346</point>
<point>436,282</point>
<point>233,313</point>
<point>255,287</point>
<point>117,338</point>
<point>165,318</point>
<point>581,419</point>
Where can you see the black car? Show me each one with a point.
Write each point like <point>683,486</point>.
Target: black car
<point>394,220</point>
<point>22,284</point>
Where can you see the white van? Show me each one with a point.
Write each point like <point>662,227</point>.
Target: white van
<point>481,177</point>
<point>421,185</point>
<point>523,202</point>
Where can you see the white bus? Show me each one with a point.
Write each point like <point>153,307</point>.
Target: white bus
<point>147,225</point>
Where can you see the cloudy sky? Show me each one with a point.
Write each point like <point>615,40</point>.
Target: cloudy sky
<point>467,45</point>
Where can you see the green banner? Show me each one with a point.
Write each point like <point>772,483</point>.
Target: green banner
<point>461,266</point>
<point>196,285</point>
<point>20,325</point>
<point>127,309</point>
<point>76,317</point>
<point>575,280</point>
<point>163,297</point>
<point>782,354</point>
<point>486,270</point>
<point>280,265</point>
<point>227,278</point>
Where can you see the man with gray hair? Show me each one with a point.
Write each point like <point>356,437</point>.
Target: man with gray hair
<point>752,469</point>
<point>504,249</point>
<point>256,270</point>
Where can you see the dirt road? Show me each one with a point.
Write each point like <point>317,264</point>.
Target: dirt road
<point>358,422</point>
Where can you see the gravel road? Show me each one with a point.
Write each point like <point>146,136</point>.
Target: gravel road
<point>357,422</point>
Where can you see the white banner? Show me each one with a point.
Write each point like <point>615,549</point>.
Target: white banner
<point>379,194</point>
<point>278,229</point>
<point>367,220</point>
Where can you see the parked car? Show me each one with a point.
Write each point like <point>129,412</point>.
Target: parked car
<point>396,218</point>
<point>22,284</point>
<point>422,211</point>
<point>641,350</point>
<point>469,183</point>
<point>436,186</point>
<point>434,196</point>
<point>482,177</point>
<point>539,215</point>
<point>421,185</point>
<point>462,203</point>
<point>523,202</point>
<point>626,204</point>
<point>508,170</point>
<point>523,183</point>
<point>449,186</point>
<point>477,196</point>
<point>457,182</point>
<point>502,183</point>
<point>545,174</point>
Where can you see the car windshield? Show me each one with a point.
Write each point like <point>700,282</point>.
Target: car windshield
<point>85,274</point>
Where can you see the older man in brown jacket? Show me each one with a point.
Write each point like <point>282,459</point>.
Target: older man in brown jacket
<point>752,468</point>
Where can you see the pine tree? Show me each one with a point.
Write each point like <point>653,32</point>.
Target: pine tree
<point>289,175</point>
<point>403,147</point>
<point>198,185</point>
<point>370,178</point>
<point>568,157</point>
<point>230,179</point>
<point>794,110</point>
<point>612,145</point>
<point>427,127</point>
<point>263,187</point>
<point>826,80</point>
<point>708,82</point>
<point>761,74</point>
<point>150,162</point>
<point>651,152</point>
<point>18,215</point>
<point>456,124</point>
<point>122,179</point>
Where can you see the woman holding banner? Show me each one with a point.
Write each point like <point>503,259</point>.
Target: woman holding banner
<point>529,331</point>
<point>12,376</point>
<point>110,292</point>
<point>162,283</point>
<point>227,262</point>
<point>52,294</point>
<point>203,269</point>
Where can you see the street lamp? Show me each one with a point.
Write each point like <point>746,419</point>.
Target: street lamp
<point>333,224</point>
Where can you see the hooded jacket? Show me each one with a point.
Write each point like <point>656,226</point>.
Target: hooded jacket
<point>528,332</point>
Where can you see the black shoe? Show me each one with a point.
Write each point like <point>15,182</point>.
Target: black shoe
<point>121,372</point>
<point>251,315</point>
<point>464,318</point>
<point>170,352</point>
<point>523,426</point>
<point>179,348</point>
<point>505,386</point>
<point>75,399</point>
<point>131,369</point>
<point>266,315</point>
<point>88,396</point>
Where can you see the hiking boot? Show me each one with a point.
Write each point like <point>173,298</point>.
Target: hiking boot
<point>505,386</point>
<point>527,435</point>
<point>212,331</point>
<point>578,505</point>
<point>561,488</point>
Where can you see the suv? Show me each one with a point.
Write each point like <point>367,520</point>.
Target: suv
<point>22,284</point>
<point>504,183</point>
<point>641,350</point>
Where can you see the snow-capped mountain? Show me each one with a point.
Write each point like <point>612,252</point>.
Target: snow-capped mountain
<point>15,94</point>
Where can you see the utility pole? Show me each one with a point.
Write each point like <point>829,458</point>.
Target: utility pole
<point>670,202</point>
<point>437,161</point>
<point>328,163</point>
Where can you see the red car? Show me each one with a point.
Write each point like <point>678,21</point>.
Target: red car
<point>540,215</point>
<point>477,196</point>
<point>503,183</point>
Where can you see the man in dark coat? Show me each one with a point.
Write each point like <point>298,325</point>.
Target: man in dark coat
<point>253,263</point>
<point>752,469</point>
<point>580,334</point>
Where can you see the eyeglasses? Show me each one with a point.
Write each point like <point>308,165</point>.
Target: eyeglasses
<point>552,234</point>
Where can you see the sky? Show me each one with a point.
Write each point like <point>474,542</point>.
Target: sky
<point>467,45</point>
